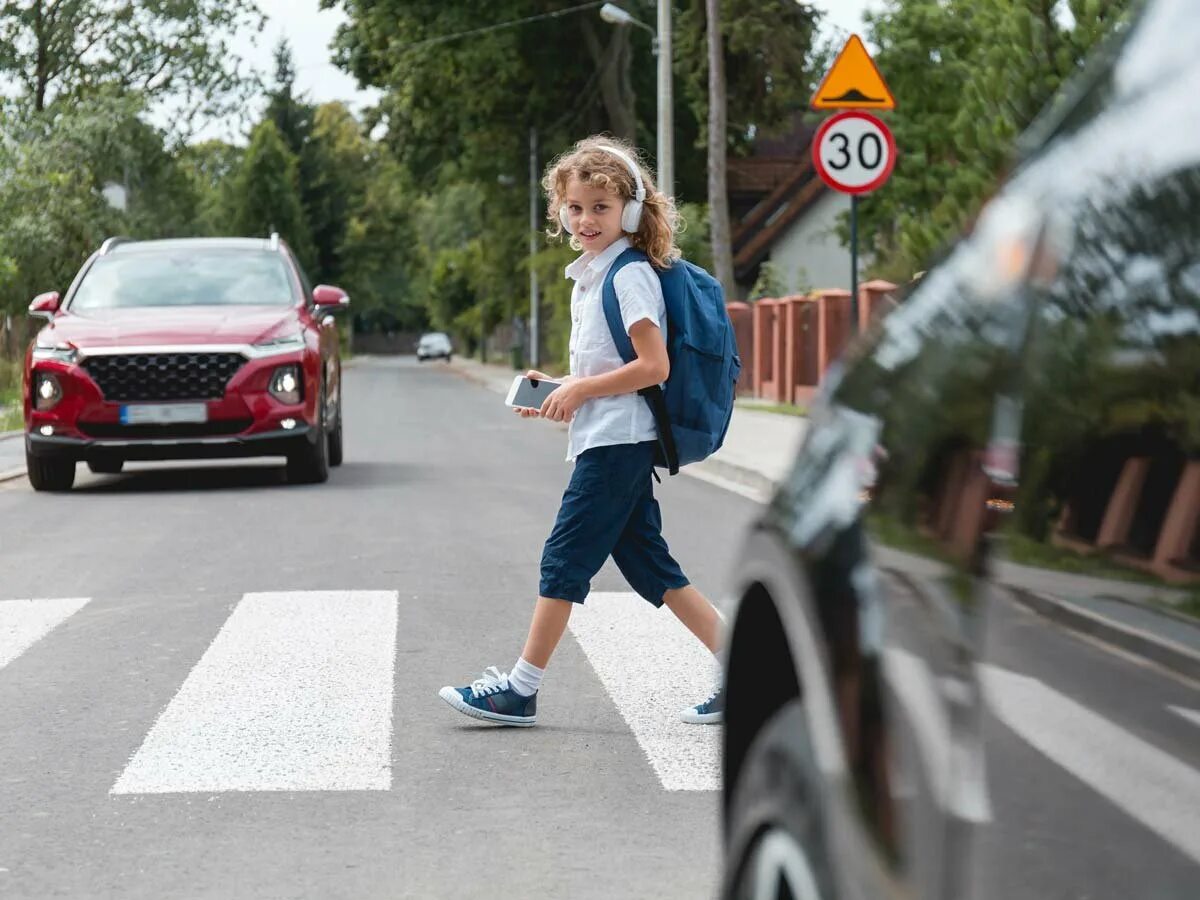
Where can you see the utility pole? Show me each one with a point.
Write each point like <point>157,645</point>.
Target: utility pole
<point>666,127</point>
<point>534,316</point>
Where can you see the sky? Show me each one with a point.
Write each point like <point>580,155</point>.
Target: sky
<point>310,31</point>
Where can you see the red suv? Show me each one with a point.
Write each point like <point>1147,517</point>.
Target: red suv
<point>184,349</point>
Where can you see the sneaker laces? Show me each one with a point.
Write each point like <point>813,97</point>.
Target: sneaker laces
<point>492,682</point>
<point>703,707</point>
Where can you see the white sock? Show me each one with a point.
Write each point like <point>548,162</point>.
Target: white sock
<point>525,678</point>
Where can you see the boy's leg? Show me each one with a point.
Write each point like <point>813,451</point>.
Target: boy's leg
<point>546,630</point>
<point>697,614</point>
<point>593,512</point>
<point>645,560</point>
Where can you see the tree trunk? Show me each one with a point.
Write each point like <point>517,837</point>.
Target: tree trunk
<point>41,76</point>
<point>611,63</point>
<point>718,196</point>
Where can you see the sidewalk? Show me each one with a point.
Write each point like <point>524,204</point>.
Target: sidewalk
<point>12,455</point>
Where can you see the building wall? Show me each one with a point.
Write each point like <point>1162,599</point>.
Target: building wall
<point>811,244</point>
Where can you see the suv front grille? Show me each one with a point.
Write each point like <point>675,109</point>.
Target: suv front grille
<point>141,377</point>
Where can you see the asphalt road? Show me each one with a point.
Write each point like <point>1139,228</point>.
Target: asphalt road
<point>445,499</point>
<point>227,688</point>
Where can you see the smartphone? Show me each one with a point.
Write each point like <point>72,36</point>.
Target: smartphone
<point>530,393</point>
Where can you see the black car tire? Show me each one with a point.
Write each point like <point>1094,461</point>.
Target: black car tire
<point>106,466</point>
<point>310,464</point>
<point>775,812</point>
<point>49,474</point>
<point>449,357</point>
<point>335,435</point>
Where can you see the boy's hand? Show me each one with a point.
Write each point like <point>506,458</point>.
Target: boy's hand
<point>562,405</point>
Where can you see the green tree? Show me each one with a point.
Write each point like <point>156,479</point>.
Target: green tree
<point>266,197</point>
<point>178,49</point>
<point>55,166</point>
<point>211,166</point>
<point>969,76</point>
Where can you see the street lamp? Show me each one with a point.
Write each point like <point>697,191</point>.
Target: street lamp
<point>661,45</point>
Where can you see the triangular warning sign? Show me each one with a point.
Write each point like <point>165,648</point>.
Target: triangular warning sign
<point>853,82</point>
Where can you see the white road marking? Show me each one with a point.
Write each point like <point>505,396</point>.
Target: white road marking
<point>955,775</point>
<point>24,622</point>
<point>653,668</point>
<point>1151,786</point>
<point>293,694</point>
<point>1191,715</point>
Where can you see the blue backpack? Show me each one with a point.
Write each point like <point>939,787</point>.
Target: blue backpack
<point>693,410</point>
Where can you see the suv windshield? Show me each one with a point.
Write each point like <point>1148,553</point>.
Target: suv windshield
<point>186,278</point>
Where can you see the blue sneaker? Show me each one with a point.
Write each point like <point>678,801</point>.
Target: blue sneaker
<point>710,712</point>
<point>491,698</point>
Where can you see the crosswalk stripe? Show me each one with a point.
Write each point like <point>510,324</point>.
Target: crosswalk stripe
<point>652,667</point>
<point>1191,715</point>
<point>24,622</point>
<point>1151,786</point>
<point>293,694</point>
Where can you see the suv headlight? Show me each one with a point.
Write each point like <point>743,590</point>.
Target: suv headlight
<point>47,391</point>
<point>287,385</point>
<point>58,351</point>
<point>288,344</point>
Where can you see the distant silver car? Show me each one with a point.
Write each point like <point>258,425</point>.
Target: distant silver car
<point>434,345</point>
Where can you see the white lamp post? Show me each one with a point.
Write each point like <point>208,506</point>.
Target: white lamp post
<point>615,15</point>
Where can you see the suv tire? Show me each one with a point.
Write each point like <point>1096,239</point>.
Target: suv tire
<point>775,827</point>
<point>49,474</point>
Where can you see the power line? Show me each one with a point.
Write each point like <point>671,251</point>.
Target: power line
<point>428,42</point>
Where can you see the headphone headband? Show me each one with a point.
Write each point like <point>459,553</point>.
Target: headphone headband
<point>640,192</point>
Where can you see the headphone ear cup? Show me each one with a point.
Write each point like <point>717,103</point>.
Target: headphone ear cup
<point>631,216</point>
<point>565,219</point>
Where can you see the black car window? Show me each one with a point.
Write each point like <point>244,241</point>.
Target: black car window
<point>193,277</point>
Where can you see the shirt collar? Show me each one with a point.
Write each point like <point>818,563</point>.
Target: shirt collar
<point>597,262</point>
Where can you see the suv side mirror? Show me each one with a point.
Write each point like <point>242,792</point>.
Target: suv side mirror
<point>330,298</point>
<point>44,306</point>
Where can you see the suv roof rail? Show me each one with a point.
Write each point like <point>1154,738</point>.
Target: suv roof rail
<point>112,242</point>
<point>274,240</point>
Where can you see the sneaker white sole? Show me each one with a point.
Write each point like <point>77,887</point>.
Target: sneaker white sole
<point>691,717</point>
<point>451,696</point>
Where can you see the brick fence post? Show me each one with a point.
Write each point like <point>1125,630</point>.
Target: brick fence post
<point>742,317</point>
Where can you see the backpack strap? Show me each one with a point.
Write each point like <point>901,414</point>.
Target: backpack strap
<point>616,328</point>
<point>612,307</point>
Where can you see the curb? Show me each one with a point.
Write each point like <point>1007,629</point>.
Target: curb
<point>1168,654</point>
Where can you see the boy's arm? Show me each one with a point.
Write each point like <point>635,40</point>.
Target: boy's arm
<point>652,366</point>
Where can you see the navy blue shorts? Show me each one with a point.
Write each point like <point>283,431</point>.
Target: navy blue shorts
<point>609,508</point>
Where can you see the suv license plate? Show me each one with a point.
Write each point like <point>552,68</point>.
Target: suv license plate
<point>163,413</point>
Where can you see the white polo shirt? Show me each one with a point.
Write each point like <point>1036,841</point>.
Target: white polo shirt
<point>623,418</point>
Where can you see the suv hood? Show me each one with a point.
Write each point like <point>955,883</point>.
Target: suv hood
<point>159,326</point>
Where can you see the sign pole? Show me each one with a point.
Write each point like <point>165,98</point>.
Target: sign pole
<point>854,263</point>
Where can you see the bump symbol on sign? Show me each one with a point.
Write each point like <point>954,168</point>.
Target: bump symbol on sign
<point>853,82</point>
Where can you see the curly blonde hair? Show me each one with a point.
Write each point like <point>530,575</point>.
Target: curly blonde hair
<point>590,162</point>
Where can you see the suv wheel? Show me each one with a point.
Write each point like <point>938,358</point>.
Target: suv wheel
<point>49,474</point>
<point>335,436</point>
<point>776,840</point>
<point>310,464</point>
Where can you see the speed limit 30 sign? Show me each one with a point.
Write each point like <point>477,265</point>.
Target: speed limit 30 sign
<point>854,152</point>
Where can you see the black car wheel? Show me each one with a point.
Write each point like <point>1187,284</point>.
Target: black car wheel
<point>310,464</point>
<point>335,434</point>
<point>106,466</point>
<point>777,846</point>
<point>49,474</point>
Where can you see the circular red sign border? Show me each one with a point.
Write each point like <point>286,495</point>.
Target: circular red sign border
<point>820,165</point>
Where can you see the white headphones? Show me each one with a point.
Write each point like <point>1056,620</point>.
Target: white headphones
<point>631,216</point>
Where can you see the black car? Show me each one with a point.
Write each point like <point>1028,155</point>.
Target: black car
<point>1009,460</point>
